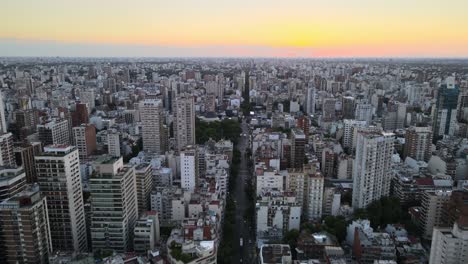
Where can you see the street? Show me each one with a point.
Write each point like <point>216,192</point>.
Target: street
<point>244,227</point>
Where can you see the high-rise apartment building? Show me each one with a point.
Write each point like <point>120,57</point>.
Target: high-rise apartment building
<point>80,115</point>
<point>25,232</point>
<point>12,181</point>
<point>3,124</point>
<point>329,109</point>
<point>450,244</point>
<point>58,175</point>
<point>297,148</point>
<point>54,132</point>
<point>146,234</point>
<point>418,142</point>
<point>113,143</point>
<point>348,107</point>
<point>184,120</point>
<point>151,115</point>
<point>310,100</point>
<point>445,111</point>
<point>372,167</point>
<point>24,156</point>
<point>432,210</point>
<point>114,204</point>
<point>84,137</point>
<point>144,185</point>
<point>315,196</point>
<point>350,131</point>
<point>363,112</point>
<point>7,155</point>
<point>189,168</point>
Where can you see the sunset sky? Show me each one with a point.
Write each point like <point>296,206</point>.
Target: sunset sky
<point>259,28</point>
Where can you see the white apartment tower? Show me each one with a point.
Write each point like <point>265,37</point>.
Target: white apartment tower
<point>58,175</point>
<point>113,203</point>
<point>350,129</point>
<point>315,196</point>
<point>449,245</point>
<point>372,167</point>
<point>184,120</point>
<point>151,115</point>
<point>189,169</point>
<point>113,143</point>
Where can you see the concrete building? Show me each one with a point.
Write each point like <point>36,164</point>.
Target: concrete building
<point>315,196</point>
<point>432,205</point>
<point>84,137</point>
<point>350,131</point>
<point>144,185</point>
<point>297,148</point>
<point>364,112</point>
<point>189,168</point>
<point>275,254</point>
<point>151,115</point>
<point>58,175</point>
<point>24,156</point>
<point>7,156</point>
<point>418,142</point>
<point>3,123</point>
<point>328,110</point>
<point>184,120</point>
<point>54,132</point>
<point>445,111</point>
<point>146,232</point>
<point>372,167</point>
<point>310,100</point>
<point>25,228</point>
<point>12,181</point>
<point>114,204</point>
<point>113,143</point>
<point>449,245</point>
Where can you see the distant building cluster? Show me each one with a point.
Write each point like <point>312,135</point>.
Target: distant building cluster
<point>101,160</point>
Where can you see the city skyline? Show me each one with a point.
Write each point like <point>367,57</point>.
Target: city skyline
<point>299,28</point>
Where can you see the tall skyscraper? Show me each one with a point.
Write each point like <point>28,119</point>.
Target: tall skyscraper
<point>58,175</point>
<point>372,167</point>
<point>84,137</point>
<point>445,111</point>
<point>25,232</point>
<point>54,132</point>
<point>189,168</point>
<point>310,100</point>
<point>297,148</point>
<point>113,203</point>
<point>184,120</point>
<point>151,115</point>
<point>3,124</point>
<point>418,142</point>
<point>7,156</point>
